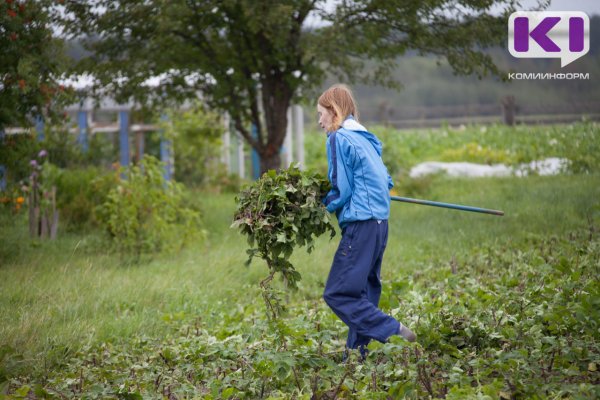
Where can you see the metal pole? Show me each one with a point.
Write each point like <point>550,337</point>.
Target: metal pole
<point>447,205</point>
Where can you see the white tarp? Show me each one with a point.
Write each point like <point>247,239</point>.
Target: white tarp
<point>548,166</point>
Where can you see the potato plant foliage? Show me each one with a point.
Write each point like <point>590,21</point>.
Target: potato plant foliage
<point>514,321</point>
<point>279,212</point>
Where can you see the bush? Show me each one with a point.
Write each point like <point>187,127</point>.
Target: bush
<point>15,153</point>
<point>196,136</point>
<point>63,149</point>
<point>145,214</point>
<point>223,181</point>
<point>79,194</point>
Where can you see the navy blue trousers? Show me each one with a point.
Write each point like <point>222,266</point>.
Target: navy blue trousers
<point>353,287</point>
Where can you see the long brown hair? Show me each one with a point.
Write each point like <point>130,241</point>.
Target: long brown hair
<point>339,100</point>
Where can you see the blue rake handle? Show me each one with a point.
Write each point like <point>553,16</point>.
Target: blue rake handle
<point>447,205</point>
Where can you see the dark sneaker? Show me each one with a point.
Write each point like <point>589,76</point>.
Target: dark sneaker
<point>407,333</point>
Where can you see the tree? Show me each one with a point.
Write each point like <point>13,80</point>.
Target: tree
<point>255,57</point>
<point>30,64</point>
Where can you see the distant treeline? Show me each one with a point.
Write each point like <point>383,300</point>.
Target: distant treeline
<point>430,91</point>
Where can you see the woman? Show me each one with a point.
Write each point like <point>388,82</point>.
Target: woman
<point>360,198</point>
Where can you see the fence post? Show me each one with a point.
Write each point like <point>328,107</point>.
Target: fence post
<point>226,149</point>
<point>241,163</point>
<point>287,148</point>
<point>39,127</point>
<point>124,137</point>
<point>82,122</point>
<point>255,155</point>
<point>298,118</point>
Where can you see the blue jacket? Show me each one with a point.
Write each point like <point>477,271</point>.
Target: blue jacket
<point>359,179</point>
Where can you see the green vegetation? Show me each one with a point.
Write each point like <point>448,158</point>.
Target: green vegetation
<point>578,142</point>
<point>32,60</point>
<point>144,214</point>
<point>245,57</point>
<point>505,307</point>
<point>196,135</point>
<point>277,213</point>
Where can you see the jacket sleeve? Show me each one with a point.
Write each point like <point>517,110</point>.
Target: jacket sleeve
<point>340,174</point>
<point>390,182</point>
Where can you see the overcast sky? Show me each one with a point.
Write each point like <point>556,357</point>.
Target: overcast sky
<point>590,7</point>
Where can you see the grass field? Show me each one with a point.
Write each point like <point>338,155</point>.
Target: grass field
<point>63,303</point>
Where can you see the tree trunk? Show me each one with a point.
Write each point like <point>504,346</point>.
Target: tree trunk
<point>276,98</point>
<point>509,106</point>
<point>271,162</point>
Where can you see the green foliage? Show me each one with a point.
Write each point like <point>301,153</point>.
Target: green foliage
<point>62,150</point>
<point>30,64</point>
<point>16,151</point>
<point>79,194</point>
<point>223,181</point>
<point>475,153</point>
<point>279,212</point>
<point>403,149</point>
<point>101,151</point>
<point>196,135</point>
<point>145,214</point>
<point>65,151</point>
<point>504,307</point>
<point>515,320</point>
<point>238,53</point>
<point>314,151</point>
<point>79,189</point>
<point>47,176</point>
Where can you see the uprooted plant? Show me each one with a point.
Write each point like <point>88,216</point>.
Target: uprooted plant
<point>277,213</point>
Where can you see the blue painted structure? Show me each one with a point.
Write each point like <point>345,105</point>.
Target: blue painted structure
<point>82,122</point>
<point>124,137</point>
<point>255,155</point>
<point>39,127</point>
<point>165,152</point>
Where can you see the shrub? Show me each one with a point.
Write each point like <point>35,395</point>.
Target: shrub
<point>145,214</point>
<point>63,149</point>
<point>79,194</point>
<point>196,136</point>
<point>223,181</point>
<point>15,153</point>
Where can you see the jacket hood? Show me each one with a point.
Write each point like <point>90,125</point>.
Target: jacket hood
<point>352,125</point>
